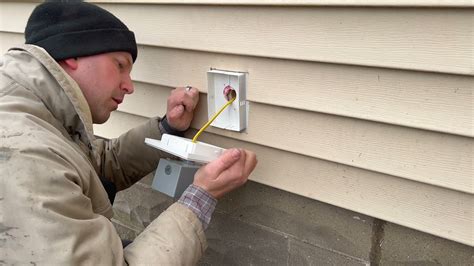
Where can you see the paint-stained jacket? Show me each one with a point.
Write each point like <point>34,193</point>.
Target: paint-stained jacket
<point>53,207</point>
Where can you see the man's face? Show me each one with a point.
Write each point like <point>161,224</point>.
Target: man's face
<point>104,80</point>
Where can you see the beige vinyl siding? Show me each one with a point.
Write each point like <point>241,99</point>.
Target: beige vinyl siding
<point>13,16</point>
<point>419,39</point>
<point>420,155</point>
<point>420,206</point>
<point>383,95</point>
<point>369,107</point>
<point>377,94</point>
<point>439,39</point>
<point>424,156</point>
<point>410,3</point>
<point>8,40</point>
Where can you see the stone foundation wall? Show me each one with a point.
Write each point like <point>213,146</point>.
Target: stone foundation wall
<point>260,225</point>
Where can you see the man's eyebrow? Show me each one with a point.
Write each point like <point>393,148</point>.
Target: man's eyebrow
<point>126,58</point>
<point>130,63</point>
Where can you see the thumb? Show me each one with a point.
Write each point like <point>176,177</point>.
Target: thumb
<point>226,160</point>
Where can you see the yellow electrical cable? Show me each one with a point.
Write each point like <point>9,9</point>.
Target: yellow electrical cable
<point>211,120</point>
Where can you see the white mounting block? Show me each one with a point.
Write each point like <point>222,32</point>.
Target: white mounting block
<point>234,117</point>
<point>184,148</point>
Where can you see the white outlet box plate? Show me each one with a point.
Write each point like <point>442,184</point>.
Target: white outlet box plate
<point>184,148</point>
<point>234,117</point>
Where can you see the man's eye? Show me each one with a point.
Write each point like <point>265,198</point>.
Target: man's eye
<point>120,65</point>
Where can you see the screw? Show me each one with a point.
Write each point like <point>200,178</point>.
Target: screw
<point>168,169</point>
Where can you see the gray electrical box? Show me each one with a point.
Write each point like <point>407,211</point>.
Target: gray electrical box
<point>172,177</point>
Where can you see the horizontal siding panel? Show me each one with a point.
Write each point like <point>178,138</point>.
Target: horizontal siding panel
<point>418,155</point>
<point>427,39</point>
<point>14,15</point>
<point>424,156</point>
<point>117,124</point>
<point>8,40</point>
<point>428,157</point>
<point>422,39</point>
<point>431,209</point>
<point>148,100</point>
<point>411,3</point>
<point>438,102</point>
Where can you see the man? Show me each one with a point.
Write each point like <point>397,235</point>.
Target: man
<point>74,71</point>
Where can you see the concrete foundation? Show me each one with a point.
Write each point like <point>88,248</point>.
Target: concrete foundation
<point>260,225</point>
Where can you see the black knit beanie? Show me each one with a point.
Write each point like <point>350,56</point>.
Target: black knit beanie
<point>75,29</point>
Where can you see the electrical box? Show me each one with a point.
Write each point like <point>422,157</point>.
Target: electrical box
<point>235,116</point>
<point>173,177</point>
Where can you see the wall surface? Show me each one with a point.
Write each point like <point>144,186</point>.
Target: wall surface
<point>260,225</point>
<point>360,105</point>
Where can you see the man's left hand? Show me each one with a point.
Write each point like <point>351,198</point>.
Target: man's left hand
<point>181,105</point>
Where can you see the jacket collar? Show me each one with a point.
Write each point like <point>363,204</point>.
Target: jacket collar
<point>58,91</point>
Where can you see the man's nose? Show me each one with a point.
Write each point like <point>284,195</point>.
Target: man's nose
<point>127,85</point>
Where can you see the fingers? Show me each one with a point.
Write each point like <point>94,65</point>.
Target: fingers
<point>217,176</point>
<point>189,99</point>
<point>183,96</point>
<point>240,171</point>
<point>230,171</point>
<point>189,104</point>
<point>181,104</point>
<point>194,93</point>
<point>250,162</point>
<point>226,160</point>
<point>177,111</point>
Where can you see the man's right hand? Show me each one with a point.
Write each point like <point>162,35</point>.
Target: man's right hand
<point>228,172</point>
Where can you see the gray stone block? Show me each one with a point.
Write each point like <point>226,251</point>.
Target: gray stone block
<point>405,246</point>
<point>260,225</point>
<point>302,254</point>
<point>148,179</point>
<point>125,231</point>
<point>310,221</point>
<point>138,205</point>
<point>233,242</point>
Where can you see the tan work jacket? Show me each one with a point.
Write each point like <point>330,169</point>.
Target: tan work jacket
<point>53,207</point>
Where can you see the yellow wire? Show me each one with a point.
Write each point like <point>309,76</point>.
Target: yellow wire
<point>211,120</point>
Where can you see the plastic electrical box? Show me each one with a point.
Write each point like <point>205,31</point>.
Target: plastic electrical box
<point>184,148</point>
<point>172,177</point>
<point>234,117</point>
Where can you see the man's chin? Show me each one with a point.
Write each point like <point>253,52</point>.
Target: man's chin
<point>101,120</point>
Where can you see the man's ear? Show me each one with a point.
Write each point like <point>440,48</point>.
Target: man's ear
<point>69,64</point>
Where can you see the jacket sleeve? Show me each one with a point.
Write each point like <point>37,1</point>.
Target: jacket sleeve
<point>176,237</point>
<point>127,159</point>
<point>53,219</point>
